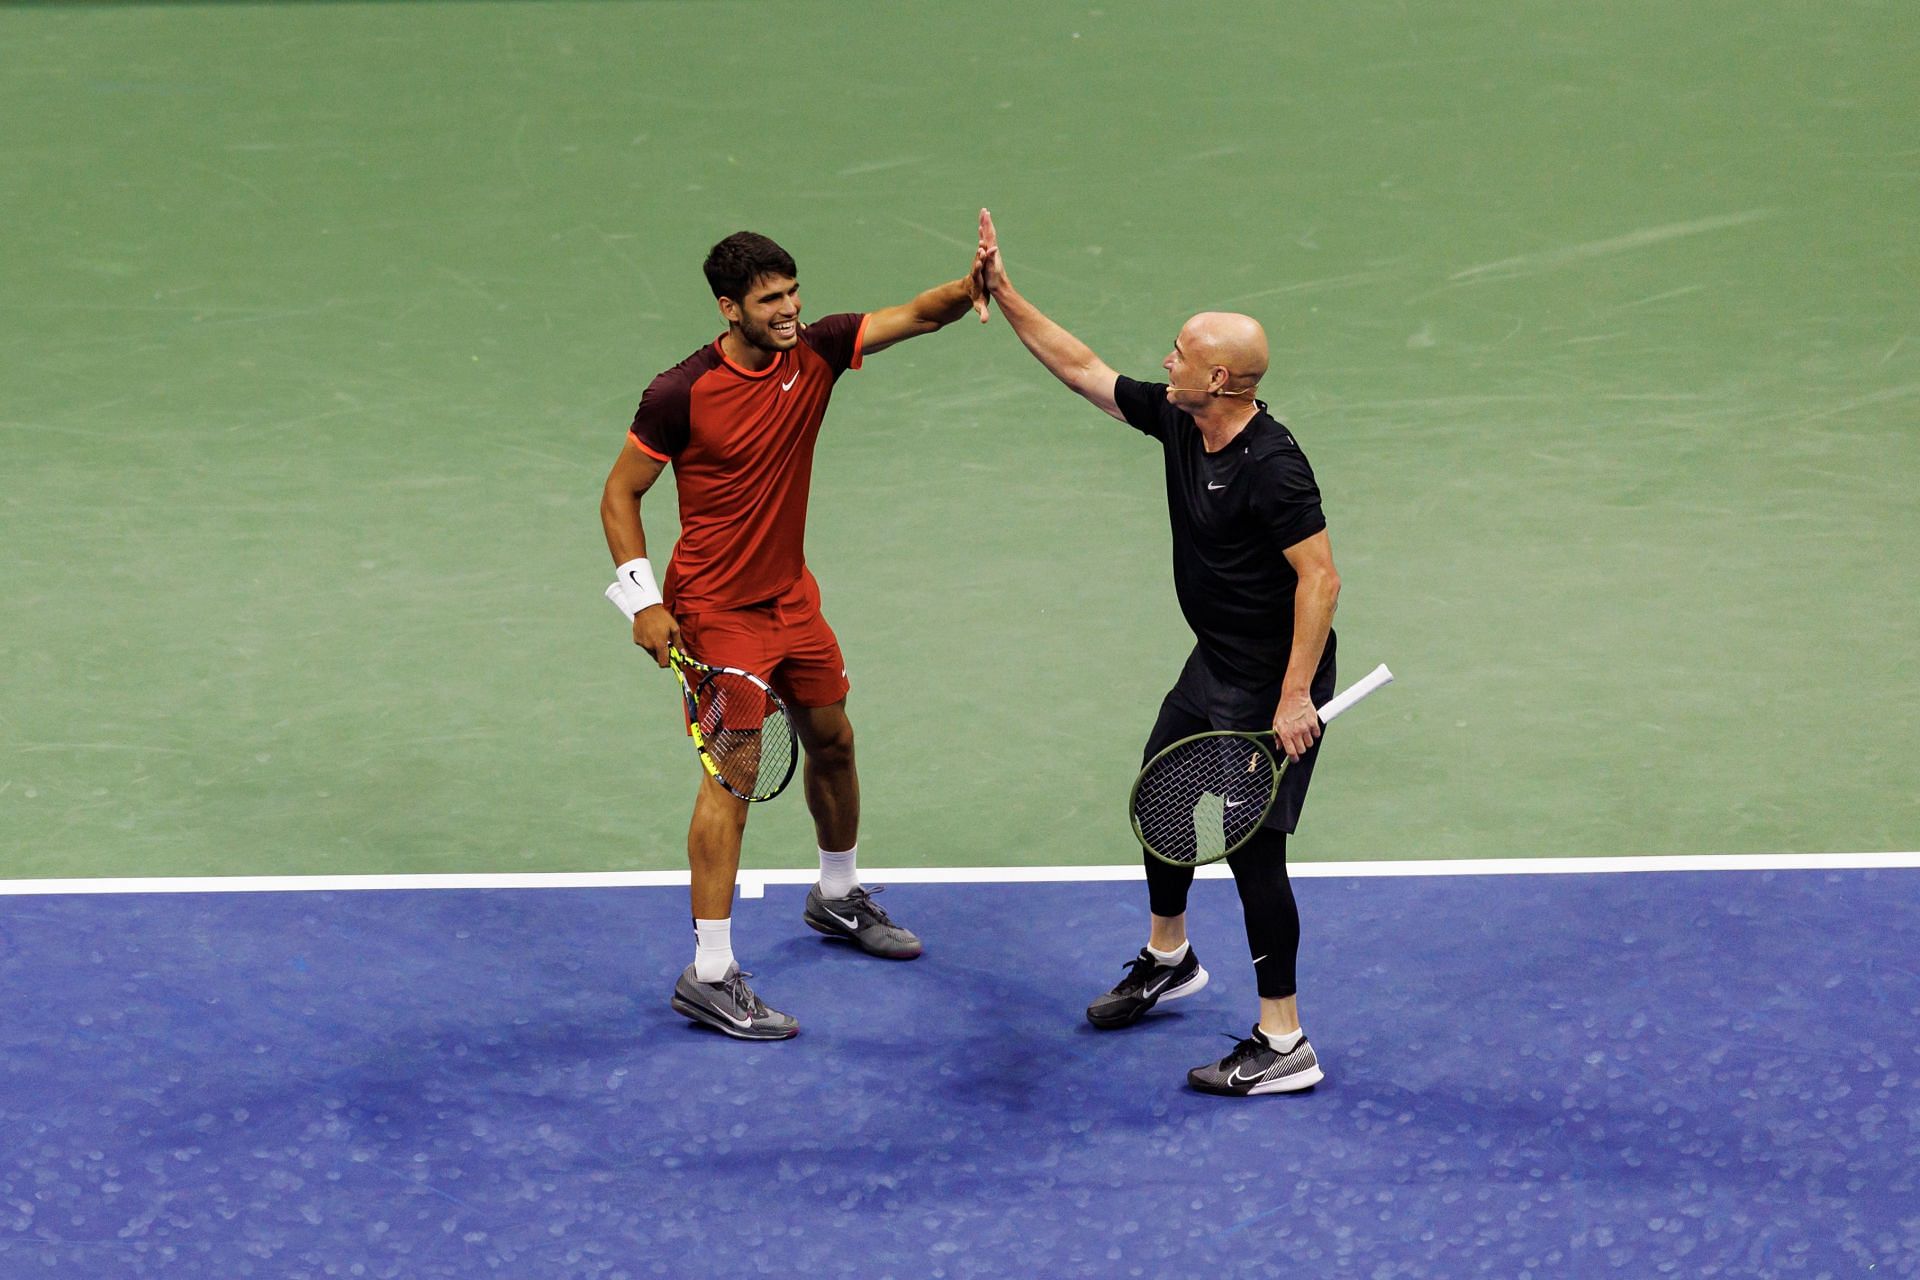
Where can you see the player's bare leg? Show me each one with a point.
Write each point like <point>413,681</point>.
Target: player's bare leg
<point>1280,1017</point>
<point>838,906</point>
<point>713,849</point>
<point>832,783</point>
<point>1168,933</point>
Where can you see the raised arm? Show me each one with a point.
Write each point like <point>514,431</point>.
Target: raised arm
<point>937,308</point>
<point>1065,356</point>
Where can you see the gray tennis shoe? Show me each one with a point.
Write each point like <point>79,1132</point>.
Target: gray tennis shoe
<point>1255,1066</point>
<point>730,1005</point>
<point>861,921</point>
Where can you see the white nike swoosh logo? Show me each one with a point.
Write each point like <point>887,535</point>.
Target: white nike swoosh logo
<point>1234,804</point>
<point>790,381</point>
<point>1237,1078</point>
<point>736,1021</point>
<point>851,924</point>
<point>1211,485</point>
<point>1154,988</point>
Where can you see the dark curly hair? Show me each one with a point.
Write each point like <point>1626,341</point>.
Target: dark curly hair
<point>743,257</point>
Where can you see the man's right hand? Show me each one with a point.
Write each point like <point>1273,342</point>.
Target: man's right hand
<point>655,630</point>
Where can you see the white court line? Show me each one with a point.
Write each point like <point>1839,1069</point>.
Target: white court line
<point>753,883</point>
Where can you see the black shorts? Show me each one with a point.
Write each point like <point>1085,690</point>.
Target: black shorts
<point>1200,701</point>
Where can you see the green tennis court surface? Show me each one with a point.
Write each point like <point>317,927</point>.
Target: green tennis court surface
<point>324,321</point>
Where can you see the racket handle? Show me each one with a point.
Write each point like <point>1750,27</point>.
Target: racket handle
<point>1359,689</point>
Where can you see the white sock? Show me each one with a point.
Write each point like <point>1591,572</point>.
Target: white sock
<point>1283,1041</point>
<point>837,876</point>
<point>712,949</point>
<point>1174,956</point>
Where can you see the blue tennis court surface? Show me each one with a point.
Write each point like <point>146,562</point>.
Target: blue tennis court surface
<point>1690,1074</point>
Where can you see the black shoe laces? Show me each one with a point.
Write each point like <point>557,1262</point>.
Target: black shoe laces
<point>1251,1047</point>
<point>1139,969</point>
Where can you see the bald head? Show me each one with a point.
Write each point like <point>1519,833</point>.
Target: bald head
<point>1230,340</point>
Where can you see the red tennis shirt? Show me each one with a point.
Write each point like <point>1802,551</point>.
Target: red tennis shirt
<point>741,445</point>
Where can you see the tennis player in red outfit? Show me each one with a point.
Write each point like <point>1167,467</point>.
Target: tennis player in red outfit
<point>737,421</point>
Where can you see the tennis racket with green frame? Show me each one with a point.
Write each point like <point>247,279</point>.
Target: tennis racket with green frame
<point>1203,797</point>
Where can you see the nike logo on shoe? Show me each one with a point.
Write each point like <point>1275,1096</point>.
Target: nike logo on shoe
<point>853,924</point>
<point>1237,1078</point>
<point>1155,988</point>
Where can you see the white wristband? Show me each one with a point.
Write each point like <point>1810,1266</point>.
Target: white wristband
<point>633,588</point>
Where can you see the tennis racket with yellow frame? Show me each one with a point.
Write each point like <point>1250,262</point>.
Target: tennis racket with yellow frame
<point>741,729</point>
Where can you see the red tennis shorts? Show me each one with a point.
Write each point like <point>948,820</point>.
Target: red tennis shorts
<point>785,642</point>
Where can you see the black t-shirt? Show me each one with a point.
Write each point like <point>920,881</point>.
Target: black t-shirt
<point>1234,514</point>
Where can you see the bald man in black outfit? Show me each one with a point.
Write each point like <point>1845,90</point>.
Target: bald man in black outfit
<point>1253,570</point>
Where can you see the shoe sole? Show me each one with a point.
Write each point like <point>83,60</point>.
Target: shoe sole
<point>1190,987</point>
<point>837,931</point>
<point>707,1018</point>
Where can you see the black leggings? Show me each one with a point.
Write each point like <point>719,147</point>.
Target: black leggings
<point>1259,871</point>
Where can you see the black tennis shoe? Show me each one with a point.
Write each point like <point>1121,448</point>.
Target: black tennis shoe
<point>730,1005</point>
<point>861,921</point>
<point>1255,1066</point>
<point>1147,983</point>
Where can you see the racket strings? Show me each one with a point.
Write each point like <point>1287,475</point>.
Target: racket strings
<point>1203,798</point>
<point>748,737</point>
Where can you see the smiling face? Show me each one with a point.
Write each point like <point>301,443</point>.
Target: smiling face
<point>767,315</point>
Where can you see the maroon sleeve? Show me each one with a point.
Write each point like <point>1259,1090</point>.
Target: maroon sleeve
<point>836,339</point>
<point>664,420</point>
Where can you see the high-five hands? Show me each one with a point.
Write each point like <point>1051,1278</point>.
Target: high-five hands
<point>977,278</point>
<point>987,268</point>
